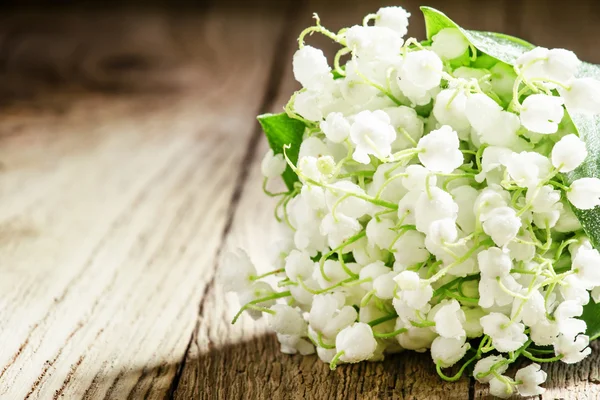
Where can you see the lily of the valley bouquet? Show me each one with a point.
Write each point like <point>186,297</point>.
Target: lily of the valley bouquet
<point>442,196</point>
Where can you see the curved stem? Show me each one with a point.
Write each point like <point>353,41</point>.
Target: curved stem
<point>261,300</point>
<point>334,361</point>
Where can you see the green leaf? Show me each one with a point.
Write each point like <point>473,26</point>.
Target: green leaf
<point>503,47</point>
<point>588,128</point>
<point>282,130</point>
<point>591,316</point>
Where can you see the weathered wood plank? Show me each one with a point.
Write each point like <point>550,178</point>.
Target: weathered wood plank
<point>112,210</point>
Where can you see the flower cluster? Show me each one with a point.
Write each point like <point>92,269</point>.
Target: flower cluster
<point>431,211</point>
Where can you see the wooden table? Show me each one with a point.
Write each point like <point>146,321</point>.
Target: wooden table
<point>130,160</point>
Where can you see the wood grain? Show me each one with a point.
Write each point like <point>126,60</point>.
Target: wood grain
<point>113,207</point>
<point>129,160</point>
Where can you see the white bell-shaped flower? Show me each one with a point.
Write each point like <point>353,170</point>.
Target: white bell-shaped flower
<point>522,251</point>
<point>286,320</point>
<point>542,113</point>
<point>417,95</point>
<point>449,319</point>
<point>506,335</point>
<point>314,196</point>
<point>533,310</point>
<point>313,147</point>
<point>449,109</point>
<point>393,190</point>
<point>395,18</point>
<point>502,225</point>
<point>489,199</point>
<point>502,80</point>
<point>298,264</point>
<point>332,273</point>
<point>485,365</point>
<point>527,168</point>
<point>554,65</point>
<point>490,292</point>
<point>492,159</point>
<point>494,263</point>
<point>339,228</point>
<point>449,43</point>
<point>574,289</point>
<point>465,196</point>
<point>373,41</point>
<point>310,67</point>
<point>472,326</point>
<point>417,339</point>
<point>492,125</point>
<point>441,232</point>
<point>235,272</point>
<point>502,389</point>
<point>418,178</point>
<point>582,96</point>
<point>308,104</point>
<point>380,232</point>
<point>573,350</point>
<point>293,344</point>
<point>480,109</point>
<point>544,333</point>
<point>531,377</point>
<point>370,272</point>
<point>414,292</point>
<point>336,127</point>
<point>584,193</point>
<point>440,150</point>
<point>422,68</point>
<point>357,342</point>
<point>409,250</point>
<point>543,199</point>
<point>339,195</point>
<point>566,317</point>
<point>585,264</point>
<point>384,285</point>
<point>373,134</point>
<point>328,315</point>
<point>255,291</point>
<point>448,351</point>
<point>568,153</point>
<point>316,169</point>
<point>272,164</point>
<point>407,206</point>
<point>406,122</point>
<point>435,205</point>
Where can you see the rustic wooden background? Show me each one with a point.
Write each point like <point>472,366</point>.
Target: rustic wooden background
<point>129,160</point>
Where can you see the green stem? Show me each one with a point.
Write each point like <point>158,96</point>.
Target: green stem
<point>334,361</point>
<point>256,277</point>
<point>389,334</point>
<point>381,320</point>
<point>261,300</point>
<point>542,360</point>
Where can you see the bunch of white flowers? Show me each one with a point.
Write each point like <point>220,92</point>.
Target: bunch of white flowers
<point>430,210</point>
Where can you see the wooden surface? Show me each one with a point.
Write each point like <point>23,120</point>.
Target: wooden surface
<point>129,160</point>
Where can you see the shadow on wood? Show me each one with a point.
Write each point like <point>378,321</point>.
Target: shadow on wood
<point>256,369</point>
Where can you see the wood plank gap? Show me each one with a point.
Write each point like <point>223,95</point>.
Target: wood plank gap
<point>276,73</point>
<point>471,388</point>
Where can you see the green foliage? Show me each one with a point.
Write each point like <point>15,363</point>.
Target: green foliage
<point>281,130</point>
<point>502,47</point>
